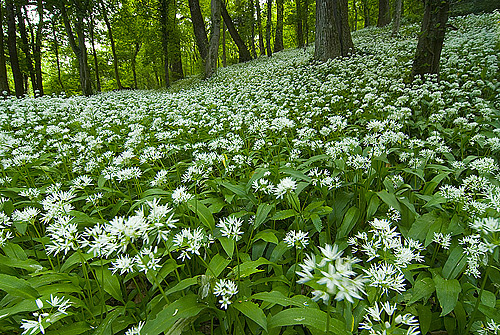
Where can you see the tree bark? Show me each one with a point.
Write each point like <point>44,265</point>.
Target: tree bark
<point>355,15</point>
<point>56,51</point>
<point>278,36</point>
<point>12,46</point>
<point>333,37</point>
<point>396,23</point>
<point>269,27</point>
<point>259,28</point>
<point>384,13</point>
<point>224,57</point>
<point>164,38</point>
<point>300,32</point>
<point>137,47</point>
<point>37,54</point>
<point>25,47</point>
<point>252,29</point>
<point>94,54</point>
<point>244,54</point>
<point>213,48</point>
<point>175,46</point>
<point>366,13</point>
<point>112,42</point>
<point>431,39</point>
<point>4,82</point>
<point>305,17</point>
<point>199,28</point>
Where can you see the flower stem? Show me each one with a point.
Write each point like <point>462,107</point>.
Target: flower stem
<point>473,316</point>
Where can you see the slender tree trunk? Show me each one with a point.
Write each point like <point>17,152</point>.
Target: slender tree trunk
<point>384,13</point>
<point>355,15</point>
<point>213,48</point>
<point>56,51</point>
<point>37,54</point>
<point>259,28</point>
<point>224,58</point>
<point>300,32</point>
<point>396,23</point>
<point>366,13</point>
<point>175,45</point>
<point>164,38</point>
<point>278,37</point>
<point>333,37</point>
<point>199,28</point>
<point>305,17</point>
<point>244,54</point>
<point>94,54</point>
<point>25,47</point>
<point>252,29</point>
<point>4,82</point>
<point>137,47</point>
<point>431,39</point>
<point>112,42</point>
<point>269,27</point>
<point>12,46</point>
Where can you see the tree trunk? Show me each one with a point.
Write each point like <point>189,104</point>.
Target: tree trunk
<point>25,47</point>
<point>164,38</point>
<point>12,46</point>
<point>397,18</point>
<point>244,54</point>
<point>355,15</point>
<point>80,50</point>
<point>4,82</point>
<point>37,54</point>
<point>384,14</point>
<point>137,46</point>
<point>94,54</point>
<point>199,28</point>
<point>333,37</point>
<point>175,46</point>
<point>305,17</point>
<point>112,42</point>
<point>224,57</point>
<point>366,13</point>
<point>259,28</point>
<point>430,41</point>
<point>213,48</point>
<point>300,32</point>
<point>56,51</point>
<point>278,36</point>
<point>269,27</point>
<point>252,29</point>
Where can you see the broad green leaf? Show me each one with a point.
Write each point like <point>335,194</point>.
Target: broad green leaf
<point>71,329</point>
<point>253,312</point>
<point>262,213</point>
<point>313,205</point>
<point>421,226</point>
<point>105,327</point>
<point>455,264</point>
<point>228,245</point>
<point>17,287</point>
<point>276,297</point>
<point>424,318</point>
<point>267,235</point>
<point>423,288</point>
<point>109,282</point>
<point>390,199</point>
<point>203,213</point>
<point>447,292</point>
<point>75,258</point>
<point>29,265</point>
<point>185,283</point>
<point>185,307</point>
<point>250,267</point>
<point>217,265</point>
<point>284,214</point>
<point>154,191</point>
<point>14,251</point>
<point>318,225</point>
<point>312,317</point>
<point>350,219</point>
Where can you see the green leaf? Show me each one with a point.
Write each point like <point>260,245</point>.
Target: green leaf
<point>185,283</point>
<point>71,329</point>
<point>228,245</point>
<point>318,225</point>
<point>350,219</point>
<point>185,307</point>
<point>262,213</point>
<point>421,226</point>
<point>424,318</point>
<point>285,214</point>
<point>109,282</point>
<point>447,292</point>
<point>253,312</point>
<point>105,327</point>
<point>276,297</point>
<point>423,288</point>
<point>203,213</point>
<point>390,199</point>
<point>312,317</point>
<point>267,235</point>
<point>250,267</point>
<point>455,263</point>
<point>75,258</point>
<point>217,265</point>
<point>17,287</point>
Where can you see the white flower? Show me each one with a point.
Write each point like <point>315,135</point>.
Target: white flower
<point>286,185</point>
<point>231,227</point>
<point>180,195</point>
<point>296,238</point>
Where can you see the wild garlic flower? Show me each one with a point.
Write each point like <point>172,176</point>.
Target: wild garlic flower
<point>180,195</point>
<point>491,328</point>
<point>335,272</point>
<point>231,227</point>
<point>189,242</point>
<point>386,277</point>
<point>286,185</point>
<point>297,239</point>
<point>444,240</point>
<point>263,185</point>
<point>477,254</point>
<point>34,326</point>
<point>385,320</point>
<point>28,214</point>
<point>225,288</point>
<point>135,330</point>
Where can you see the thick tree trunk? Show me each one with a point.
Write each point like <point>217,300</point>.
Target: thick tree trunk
<point>355,15</point>
<point>396,23</point>
<point>430,41</point>
<point>384,13</point>
<point>37,54</point>
<point>333,37</point>
<point>252,29</point>
<point>94,54</point>
<point>164,38</point>
<point>113,45</point>
<point>366,13</point>
<point>300,32</point>
<point>4,82</point>
<point>244,54</point>
<point>175,46</point>
<point>269,27</point>
<point>12,46</point>
<point>213,48</point>
<point>137,47</point>
<point>25,47</point>
<point>305,17</point>
<point>278,36</point>
<point>259,28</point>
<point>199,28</point>
<point>224,56</point>
<point>56,52</point>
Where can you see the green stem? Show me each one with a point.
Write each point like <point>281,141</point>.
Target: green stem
<point>483,284</point>
<point>327,330</point>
